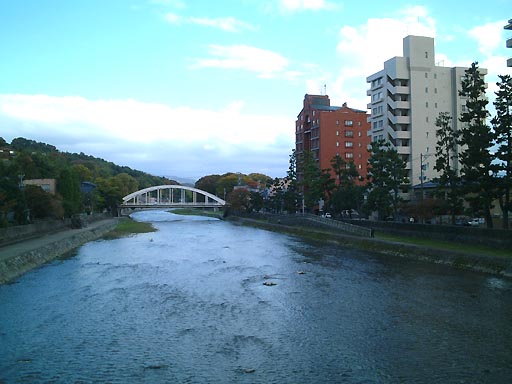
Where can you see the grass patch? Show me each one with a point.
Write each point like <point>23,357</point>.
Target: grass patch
<point>127,227</point>
<point>448,245</point>
<point>197,212</point>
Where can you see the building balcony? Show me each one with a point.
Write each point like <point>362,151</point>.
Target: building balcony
<point>399,119</point>
<point>402,150</point>
<point>399,104</point>
<point>399,89</point>
<point>400,135</point>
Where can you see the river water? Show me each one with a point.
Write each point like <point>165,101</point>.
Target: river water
<point>206,301</point>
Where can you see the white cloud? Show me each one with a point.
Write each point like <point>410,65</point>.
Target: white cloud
<point>172,18</point>
<point>266,63</point>
<point>228,24</point>
<point>488,36</point>
<point>169,3</point>
<point>363,50</point>
<point>153,136</point>
<point>299,5</point>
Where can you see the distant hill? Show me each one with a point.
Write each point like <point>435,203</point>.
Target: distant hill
<point>97,167</point>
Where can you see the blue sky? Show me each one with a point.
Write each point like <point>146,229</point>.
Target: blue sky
<point>191,88</point>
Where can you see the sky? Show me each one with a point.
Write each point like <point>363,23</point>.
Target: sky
<point>188,88</point>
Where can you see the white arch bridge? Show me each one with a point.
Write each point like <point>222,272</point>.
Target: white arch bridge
<point>171,196</point>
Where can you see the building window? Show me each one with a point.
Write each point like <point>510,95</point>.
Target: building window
<point>435,90</point>
<point>349,144</point>
<point>359,134</point>
<point>426,54</point>
<point>349,123</point>
<point>349,133</point>
<point>314,112</point>
<point>360,166</point>
<point>337,143</point>
<point>426,104</point>
<point>426,89</point>
<point>426,75</point>
<point>426,119</point>
<point>349,155</point>
<point>337,133</point>
<point>337,122</point>
<point>360,156</point>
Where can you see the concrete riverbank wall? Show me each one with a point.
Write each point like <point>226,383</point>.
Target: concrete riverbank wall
<point>494,265</point>
<point>19,258</point>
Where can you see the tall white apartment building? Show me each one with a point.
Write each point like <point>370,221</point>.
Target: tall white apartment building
<point>406,98</point>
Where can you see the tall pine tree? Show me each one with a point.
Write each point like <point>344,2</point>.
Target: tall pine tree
<point>502,124</point>
<point>476,140</point>
<point>447,164</point>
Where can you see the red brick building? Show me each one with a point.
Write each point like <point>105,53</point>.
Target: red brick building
<point>327,130</point>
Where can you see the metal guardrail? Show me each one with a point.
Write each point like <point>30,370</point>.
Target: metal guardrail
<point>345,227</point>
<point>314,220</point>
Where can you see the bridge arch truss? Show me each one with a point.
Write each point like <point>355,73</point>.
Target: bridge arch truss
<point>172,196</point>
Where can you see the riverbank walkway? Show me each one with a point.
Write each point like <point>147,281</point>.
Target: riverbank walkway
<point>19,257</point>
<point>12,250</point>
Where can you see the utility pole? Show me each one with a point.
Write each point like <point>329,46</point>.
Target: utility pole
<point>423,168</point>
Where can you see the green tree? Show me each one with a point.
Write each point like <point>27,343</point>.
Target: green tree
<point>347,196</point>
<point>290,187</point>
<point>275,201</point>
<point>502,124</point>
<point>386,174</point>
<point>84,173</point>
<point>255,201</point>
<point>239,200</point>
<point>311,181</point>
<point>43,204</point>
<point>209,184</point>
<point>446,164</point>
<point>477,139</point>
<point>68,186</point>
<point>227,183</point>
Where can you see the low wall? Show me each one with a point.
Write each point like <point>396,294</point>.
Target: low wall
<point>15,266</point>
<point>308,220</point>
<point>498,238</point>
<point>11,235</point>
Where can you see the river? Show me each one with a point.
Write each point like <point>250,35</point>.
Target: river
<point>206,301</point>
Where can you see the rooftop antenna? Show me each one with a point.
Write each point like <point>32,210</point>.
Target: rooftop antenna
<point>323,90</point>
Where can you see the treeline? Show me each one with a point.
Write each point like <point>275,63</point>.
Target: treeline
<point>24,159</point>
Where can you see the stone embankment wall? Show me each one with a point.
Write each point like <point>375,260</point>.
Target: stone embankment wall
<point>21,262</point>
<point>11,235</point>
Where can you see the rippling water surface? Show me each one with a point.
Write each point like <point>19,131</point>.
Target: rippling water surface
<point>205,301</point>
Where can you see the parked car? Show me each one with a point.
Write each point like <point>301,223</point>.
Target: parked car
<point>476,221</point>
